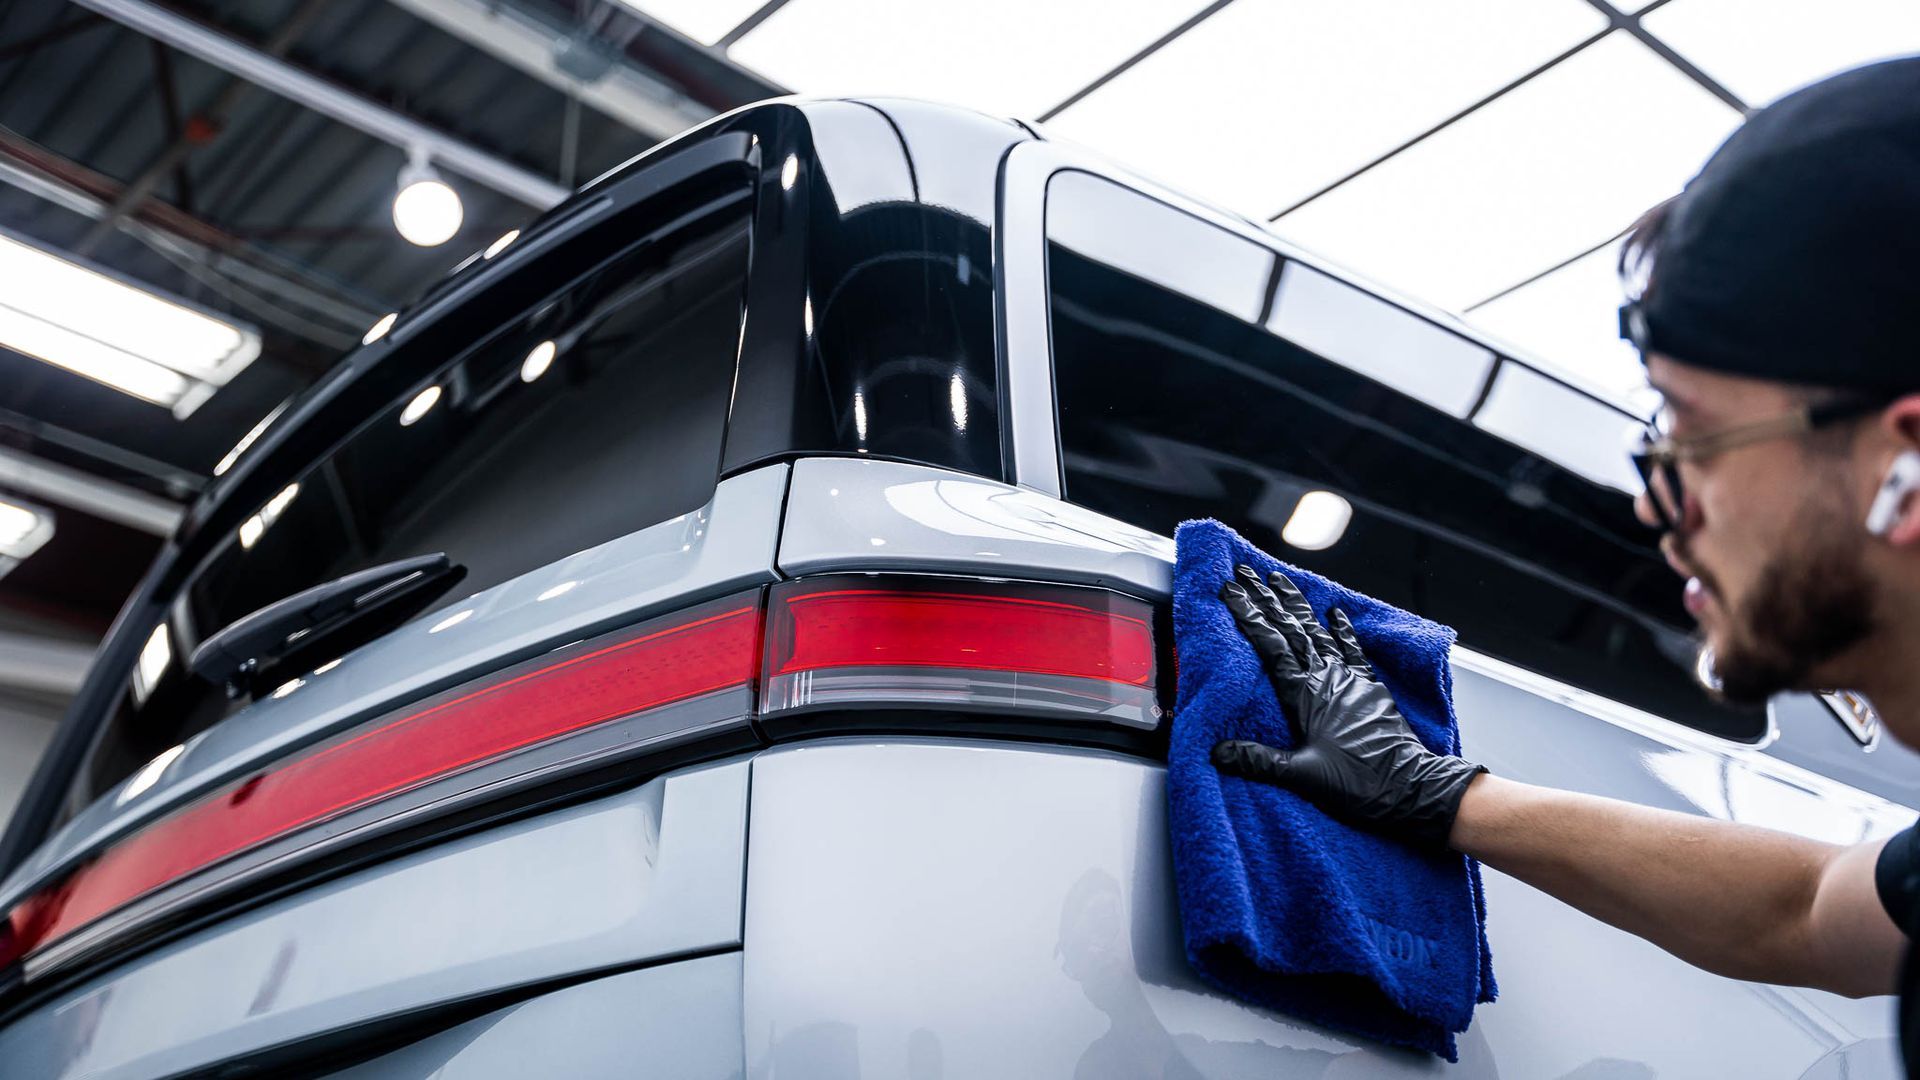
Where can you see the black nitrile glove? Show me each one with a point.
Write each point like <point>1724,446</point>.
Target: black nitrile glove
<point>1355,755</point>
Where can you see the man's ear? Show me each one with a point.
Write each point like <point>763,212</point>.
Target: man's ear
<point>1900,422</point>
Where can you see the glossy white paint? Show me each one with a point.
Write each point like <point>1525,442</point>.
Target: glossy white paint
<point>652,872</point>
<point>1020,309</point>
<point>937,520</point>
<point>928,908</point>
<point>682,1020</point>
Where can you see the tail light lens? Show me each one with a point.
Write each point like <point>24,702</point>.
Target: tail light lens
<point>843,642</point>
<point>701,651</point>
<point>881,641</point>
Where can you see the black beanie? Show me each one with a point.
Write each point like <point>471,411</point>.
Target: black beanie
<point>1795,253</point>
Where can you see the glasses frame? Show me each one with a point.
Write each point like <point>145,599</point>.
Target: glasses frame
<point>1657,457</point>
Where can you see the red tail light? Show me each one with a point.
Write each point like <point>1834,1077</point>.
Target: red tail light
<point>879,641</point>
<point>843,642</point>
<point>708,649</point>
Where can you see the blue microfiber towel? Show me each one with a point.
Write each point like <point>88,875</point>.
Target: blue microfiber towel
<point>1280,904</point>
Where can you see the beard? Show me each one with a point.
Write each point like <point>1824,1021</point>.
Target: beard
<point>1814,604</point>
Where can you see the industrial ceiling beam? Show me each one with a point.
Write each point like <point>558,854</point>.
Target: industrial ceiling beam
<point>1073,99</point>
<point>624,92</point>
<point>28,46</point>
<point>42,664</point>
<point>77,490</point>
<point>67,184</point>
<point>324,97</point>
<point>749,24</point>
<point>173,158</point>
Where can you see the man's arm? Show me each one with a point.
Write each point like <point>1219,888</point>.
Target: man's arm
<point>1737,900</point>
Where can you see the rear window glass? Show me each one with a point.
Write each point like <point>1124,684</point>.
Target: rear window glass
<point>598,412</point>
<point>1470,489</point>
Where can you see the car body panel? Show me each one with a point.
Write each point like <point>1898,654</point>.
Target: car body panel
<point>650,873</point>
<point>876,515</point>
<point>1025,924</point>
<point>723,547</point>
<point>679,1020</point>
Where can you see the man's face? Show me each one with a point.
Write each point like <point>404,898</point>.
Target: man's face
<point>1770,541</point>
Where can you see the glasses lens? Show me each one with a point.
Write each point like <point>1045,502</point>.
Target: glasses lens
<point>1667,496</point>
<point>1661,478</point>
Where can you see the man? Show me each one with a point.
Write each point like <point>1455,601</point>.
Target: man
<point>1780,322</point>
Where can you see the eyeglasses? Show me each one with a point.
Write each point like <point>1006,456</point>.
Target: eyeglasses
<point>1657,455</point>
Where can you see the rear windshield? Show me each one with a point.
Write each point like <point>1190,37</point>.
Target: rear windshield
<point>599,411</point>
<point>1202,375</point>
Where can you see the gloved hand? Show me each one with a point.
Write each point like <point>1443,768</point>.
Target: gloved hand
<point>1354,754</point>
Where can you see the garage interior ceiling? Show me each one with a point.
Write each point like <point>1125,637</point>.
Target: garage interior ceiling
<point>242,155</point>
<point>1483,157</point>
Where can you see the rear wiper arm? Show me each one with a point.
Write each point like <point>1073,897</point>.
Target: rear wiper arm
<point>330,618</point>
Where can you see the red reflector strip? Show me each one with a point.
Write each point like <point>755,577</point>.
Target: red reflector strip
<point>711,648</point>
<point>815,628</point>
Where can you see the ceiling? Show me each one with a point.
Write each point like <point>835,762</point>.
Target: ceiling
<point>132,152</point>
<point>1483,157</point>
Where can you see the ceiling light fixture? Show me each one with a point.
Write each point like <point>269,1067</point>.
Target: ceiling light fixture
<point>126,336</point>
<point>426,211</point>
<point>23,529</point>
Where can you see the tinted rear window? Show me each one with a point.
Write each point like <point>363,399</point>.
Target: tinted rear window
<point>1201,375</point>
<point>599,411</point>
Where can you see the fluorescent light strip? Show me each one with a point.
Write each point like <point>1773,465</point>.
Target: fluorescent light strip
<point>954,52</point>
<point>23,529</point>
<point>82,355</point>
<point>123,336</point>
<point>1761,49</point>
<point>1264,103</point>
<point>1570,320</point>
<point>1576,154</point>
<point>16,522</point>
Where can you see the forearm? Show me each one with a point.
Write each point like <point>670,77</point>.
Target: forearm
<point>1733,899</point>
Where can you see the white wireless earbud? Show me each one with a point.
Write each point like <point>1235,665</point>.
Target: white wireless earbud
<point>1902,480</point>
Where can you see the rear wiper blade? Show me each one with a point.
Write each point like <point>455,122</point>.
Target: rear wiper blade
<point>332,617</point>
